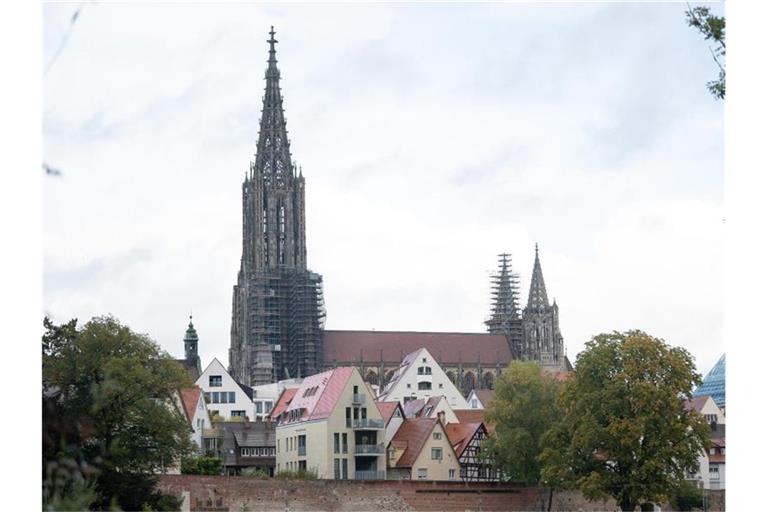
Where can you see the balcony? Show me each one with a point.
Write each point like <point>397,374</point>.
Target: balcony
<point>370,475</point>
<point>369,449</point>
<point>365,424</point>
<point>302,451</point>
<point>358,399</point>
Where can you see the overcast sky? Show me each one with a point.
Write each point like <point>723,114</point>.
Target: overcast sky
<point>432,138</point>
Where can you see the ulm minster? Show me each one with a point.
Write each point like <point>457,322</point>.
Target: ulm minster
<point>278,311</point>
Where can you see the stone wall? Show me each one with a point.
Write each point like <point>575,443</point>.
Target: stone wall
<point>241,494</point>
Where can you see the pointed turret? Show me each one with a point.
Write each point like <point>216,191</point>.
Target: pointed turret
<point>537,295</point>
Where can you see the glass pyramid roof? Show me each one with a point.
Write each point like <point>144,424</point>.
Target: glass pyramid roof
<point>714,383</point>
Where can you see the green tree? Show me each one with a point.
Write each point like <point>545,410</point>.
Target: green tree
<point>524,408</point>
<point>117,388</point>
<point>201,466</point>
<point>625,432</point>
<point>713,29</point>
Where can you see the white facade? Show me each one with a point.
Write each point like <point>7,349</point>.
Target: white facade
<point>266,395</point>
<point>201,420</point>
<point>420,376</point>
<point>223,395</point>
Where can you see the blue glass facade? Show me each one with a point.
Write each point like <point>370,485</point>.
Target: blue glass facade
<point>714,383</point>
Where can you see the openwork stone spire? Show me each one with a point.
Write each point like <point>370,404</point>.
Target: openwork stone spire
<point>537,295</point>
<point>273,154</point>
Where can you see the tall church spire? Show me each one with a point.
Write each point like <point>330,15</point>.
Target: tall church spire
<point>273,153</point>
<point>537,295</point>
<point>505,309</point>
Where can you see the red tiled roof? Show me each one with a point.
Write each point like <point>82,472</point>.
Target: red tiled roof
<point>474,416</point>
<point>460,434</point>
<point>718,458</point>
<point>189,399</point>
<point>412,435</point>
<point>282,403</point>
<point>387,409</point>
<point>319,404</point>
<point>446,347</point>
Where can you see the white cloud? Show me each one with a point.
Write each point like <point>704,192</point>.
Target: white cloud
<point>432,138</point>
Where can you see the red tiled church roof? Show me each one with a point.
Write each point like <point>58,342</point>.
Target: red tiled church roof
<point>446,347</point>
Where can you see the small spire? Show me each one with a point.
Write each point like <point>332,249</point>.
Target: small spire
<point>272,42</point>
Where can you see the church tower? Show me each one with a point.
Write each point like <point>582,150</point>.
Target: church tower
<point>277,306</point>
<point>505,311</point>
<point>542,340</point>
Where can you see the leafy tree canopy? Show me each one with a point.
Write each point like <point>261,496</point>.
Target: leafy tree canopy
<point>524,408</point>
<point>625,431</point>
<point>119,389</point>
<point>713,29</point>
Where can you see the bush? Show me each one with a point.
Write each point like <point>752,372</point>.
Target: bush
<point>201,466</point>
<point>686,496</point>
<point>255,473</point>
<point>302,474</point>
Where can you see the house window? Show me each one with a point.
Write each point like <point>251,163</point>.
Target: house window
<point>258,407</point>
<point>344,469</point>
<point>336,443</point>
<point>440,385</point>
<point>215,397</point>
<point>474,403</point>
<point>336,469</point>
<point>231,397</point>
<point>214,381</point>
<point>425,385</point>
<point>451,473</point>
<point>437,435</point>
<point>421,473</point>
<point>408,386</point>
<point>711,451</point>
<point>267,406</point>
<point>238,414</point>
<point>423,359</point>
<point>437,454</point>
<point>344,443</point>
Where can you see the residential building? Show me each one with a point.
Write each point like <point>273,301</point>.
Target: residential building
<point>282,402</point>
<point>421,376</point>
<point>480,398</point>
<point>706,406</point>
<point>467,440</point>
<point>196,413</point>
<point>243,444</point>
<point>224,396</point>
<point>332,426</point>
<point>265,396</point>
<point>393,415</point>
<point>421,450</point>
<point>716,456</point>
<point>434,407</point>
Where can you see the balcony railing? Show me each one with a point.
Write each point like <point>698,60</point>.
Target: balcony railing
<point>365,423</point>
<point>358,398</point>
<point>370,475</point>
<point>302,451</point>
<point>369,449</point>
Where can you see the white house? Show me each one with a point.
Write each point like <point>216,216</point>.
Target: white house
<point>421,376</point>
<point>196,413</point>
<point>480,398</point>
<point>223,395</point>
<point>266,395</point>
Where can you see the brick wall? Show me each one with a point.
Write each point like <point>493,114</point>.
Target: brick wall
<point>241,494</point>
